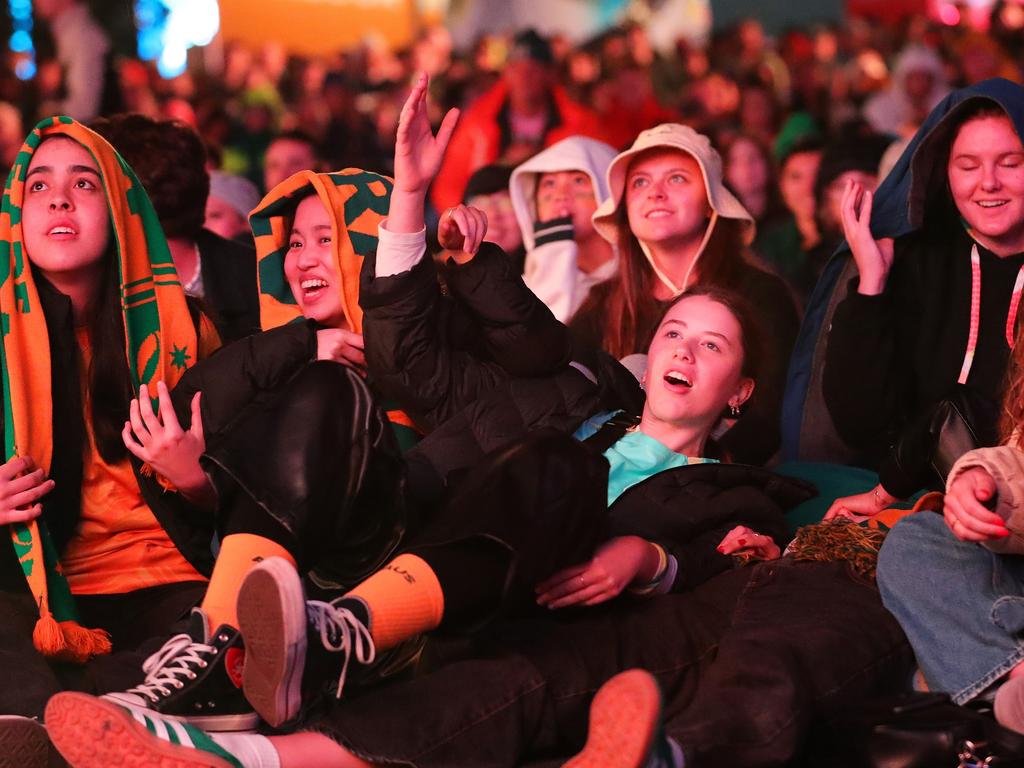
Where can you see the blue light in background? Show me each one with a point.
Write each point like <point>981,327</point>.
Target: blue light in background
<point>21,38</point>
<point>168,28</point>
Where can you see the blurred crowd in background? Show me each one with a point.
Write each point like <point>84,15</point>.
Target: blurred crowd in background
<point>793,115</point>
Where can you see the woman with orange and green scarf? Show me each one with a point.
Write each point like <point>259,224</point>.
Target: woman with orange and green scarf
<point>99,555</point>
<point>301,451</point>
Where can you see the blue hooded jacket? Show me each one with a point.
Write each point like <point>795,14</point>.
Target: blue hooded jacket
<point>898,209</point>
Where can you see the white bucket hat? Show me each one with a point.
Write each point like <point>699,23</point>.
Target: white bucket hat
<point>682,137</point>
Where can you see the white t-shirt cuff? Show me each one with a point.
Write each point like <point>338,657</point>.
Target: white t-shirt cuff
<point>398,252</point>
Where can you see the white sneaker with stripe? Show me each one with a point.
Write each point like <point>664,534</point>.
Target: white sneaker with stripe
<point>91,732</point>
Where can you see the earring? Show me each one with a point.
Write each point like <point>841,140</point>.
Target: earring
<point>734,410</point>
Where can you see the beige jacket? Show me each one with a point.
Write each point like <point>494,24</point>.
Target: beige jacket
<point>1006,465</point>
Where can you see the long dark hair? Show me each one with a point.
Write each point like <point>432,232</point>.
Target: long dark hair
<point>108,379</point>
<point>632,309</point>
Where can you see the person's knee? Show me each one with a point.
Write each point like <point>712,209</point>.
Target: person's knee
<point>323,387</point>
<point>909,549</point>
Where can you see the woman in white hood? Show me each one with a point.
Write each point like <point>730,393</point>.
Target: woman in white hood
<point>554,194</point>
<point>918,85</point>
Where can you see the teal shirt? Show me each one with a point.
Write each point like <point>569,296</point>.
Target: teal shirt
<point>634,457</point>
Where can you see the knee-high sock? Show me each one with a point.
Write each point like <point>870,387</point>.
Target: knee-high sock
<point>404,598</point>
<point>239,553</point>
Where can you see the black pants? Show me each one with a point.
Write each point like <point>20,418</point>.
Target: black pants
<point>138,622</point>
<point>745,662</point>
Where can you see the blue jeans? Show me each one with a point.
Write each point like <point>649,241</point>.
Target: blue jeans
<point>961,606</point>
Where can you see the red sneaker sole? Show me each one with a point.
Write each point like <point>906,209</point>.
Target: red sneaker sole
<point>92,733</point>
<point>624,718</point>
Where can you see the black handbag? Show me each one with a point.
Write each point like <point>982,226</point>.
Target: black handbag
<point>955,425</point>
<point>924,730</point>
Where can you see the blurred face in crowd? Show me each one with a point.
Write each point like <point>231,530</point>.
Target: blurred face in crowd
<point>527,82</point>
<point>986,179</point>
<point>757,110</point>
<point>796,182</point>
<point>918,84</point>
<point>65,220</point>
<point>502,227</point>
<point>223,219</point>
<point>310,267</point>
<point>746,167</point>
<point>666,201</point>
<point>567,193</point>
<point>285,157</point>
<point>695,365</point>
<point>832,199</point>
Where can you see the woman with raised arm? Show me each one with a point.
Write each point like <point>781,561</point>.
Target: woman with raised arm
<point>640,506</point>
<point>939,251</point>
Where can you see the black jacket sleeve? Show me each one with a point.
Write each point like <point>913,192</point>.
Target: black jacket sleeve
<point>237,374</point>
<point>411,346</point>
<point>869,357</point>
<point>518,330</point>
<point>689,510</point>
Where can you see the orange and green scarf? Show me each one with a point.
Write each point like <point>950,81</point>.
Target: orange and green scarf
<point>358,202</point>
<point>160,342</point>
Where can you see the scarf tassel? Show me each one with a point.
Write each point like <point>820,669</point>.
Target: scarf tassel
<point>68,640</point>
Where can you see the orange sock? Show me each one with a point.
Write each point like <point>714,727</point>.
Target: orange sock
<point>239,553</point>
<point>404,598</point>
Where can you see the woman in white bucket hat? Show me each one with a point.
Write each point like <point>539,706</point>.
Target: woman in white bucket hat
<point>676,225</point>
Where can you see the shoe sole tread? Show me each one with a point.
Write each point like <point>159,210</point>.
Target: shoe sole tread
<point>23,744</point>
<point>272,619</point>
<point>624,719</point>
<point>92,733</point>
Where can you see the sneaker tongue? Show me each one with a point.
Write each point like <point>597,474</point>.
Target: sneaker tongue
<point>199,626</point>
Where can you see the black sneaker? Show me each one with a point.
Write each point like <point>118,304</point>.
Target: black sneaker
<point>299,650</point>
<point>196,678</point>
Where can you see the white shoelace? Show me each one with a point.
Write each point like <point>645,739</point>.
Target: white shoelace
<point>352,635</point>
<point>165,668</point>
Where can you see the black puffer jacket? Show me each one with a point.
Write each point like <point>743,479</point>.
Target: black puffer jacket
<point>483,366</point>
<point>689,510</point>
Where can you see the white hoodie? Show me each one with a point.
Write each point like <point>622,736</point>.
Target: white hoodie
<point>551,269</point>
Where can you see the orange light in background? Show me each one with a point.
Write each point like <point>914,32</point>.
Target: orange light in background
<point>312,27</point>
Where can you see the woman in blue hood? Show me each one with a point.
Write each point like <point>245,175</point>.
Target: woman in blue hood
<point>931,312</point>
<point>933,308</point>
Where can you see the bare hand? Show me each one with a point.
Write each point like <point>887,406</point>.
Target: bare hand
<point>860,506</point>
<point>742,540</point>
<point>462,229</point>
<point>22,485</point>
<point>418,153</point>
<point>873,257</point>
<point>160,441</point>
<point>614,567</point>
<point>341,346</point>
<point>964,507</point>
